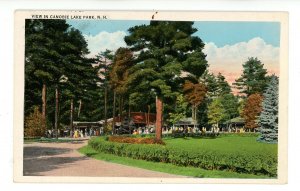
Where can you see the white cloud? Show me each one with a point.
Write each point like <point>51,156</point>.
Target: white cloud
<point>229,59</point>
<point>105,40</point>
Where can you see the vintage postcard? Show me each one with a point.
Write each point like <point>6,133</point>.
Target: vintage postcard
<point>150,97</point>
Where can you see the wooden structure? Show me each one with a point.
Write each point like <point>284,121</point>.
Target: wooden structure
<point>235,124</point>
<point>125,124</point>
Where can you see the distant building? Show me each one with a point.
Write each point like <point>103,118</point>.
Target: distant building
<point>136,119</point>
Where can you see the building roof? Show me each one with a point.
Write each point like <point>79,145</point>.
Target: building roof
<point>236,120</point>
<point>139,118</point>
<point>186,121</point>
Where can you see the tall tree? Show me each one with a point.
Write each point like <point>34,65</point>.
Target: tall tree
<point>268,118</point>
<point>166,49</point>
<point>123,61</point>
<point>223,86</point>
<point>194,94</point>
<point>230,104</point>
<point>104,64</point>
<point>79,76</point>
<point>55,57</point>
<point>42,59</point>
<point>251,111</point>
<point>216,112</point>
<point>253,80</point>
<point>210,81</point>
<point>180,110</point>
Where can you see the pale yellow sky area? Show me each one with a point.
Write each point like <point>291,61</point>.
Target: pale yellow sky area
<point>229,59</point>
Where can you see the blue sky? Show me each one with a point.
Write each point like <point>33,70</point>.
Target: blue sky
<point>221,33</point>
<point>227,44</point>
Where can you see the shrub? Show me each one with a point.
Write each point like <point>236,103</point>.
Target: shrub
<point>35,124</point>
<point>206,159</point>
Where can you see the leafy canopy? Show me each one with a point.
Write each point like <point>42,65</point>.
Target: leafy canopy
<point>165,49</point>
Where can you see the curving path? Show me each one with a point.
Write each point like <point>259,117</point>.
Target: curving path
<point>63,159</point>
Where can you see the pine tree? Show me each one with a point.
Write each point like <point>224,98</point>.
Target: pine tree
<point>223,86</point>
<point>166,49</point>
<point>254,79</point>
<point>230,103</point>
<point>55,58</point>
<point>105,63</point>
<point>268,119</point>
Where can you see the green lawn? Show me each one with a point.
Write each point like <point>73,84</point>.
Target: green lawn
<point>223,145</point>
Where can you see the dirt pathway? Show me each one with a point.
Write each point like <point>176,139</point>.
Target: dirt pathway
<point>63,159</point>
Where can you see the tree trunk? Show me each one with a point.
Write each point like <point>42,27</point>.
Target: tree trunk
<point>159,108</point>
<point>44,105</point>
<point>122,119</point>
<point>105,107</point>
<point>193,113</point>
<point>148,124</point>
<point>79,108</point>
<point>195,116</point>
<point>71,115</point>
<point>114,114</point>
<point>56,112</point>
<point>120,113</point>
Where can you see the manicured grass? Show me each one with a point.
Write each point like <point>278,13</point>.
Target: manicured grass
<point>165,167</point>
<point>223,145</point>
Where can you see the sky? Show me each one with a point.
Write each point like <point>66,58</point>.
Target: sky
<point>227,44</point>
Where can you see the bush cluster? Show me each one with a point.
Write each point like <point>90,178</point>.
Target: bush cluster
<point>135,140</point>
<point>236,162</point>
<point>34,124</point>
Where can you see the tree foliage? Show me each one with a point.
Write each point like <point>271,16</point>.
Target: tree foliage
<point>268,118</point>
<point>179,111</point>
<point>254,79</point>
<point>251,111</point>
<point>55,55</point>
<point>216,112</point>
<point>34,124</point>
<point>123,61</point>
<point>230,104</point>
<point>194,93</point>
<point>166,49</point>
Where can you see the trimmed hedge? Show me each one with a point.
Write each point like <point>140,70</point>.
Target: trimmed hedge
<point>236,162</point>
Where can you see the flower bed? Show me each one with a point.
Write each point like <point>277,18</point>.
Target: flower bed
<point>134,140</point>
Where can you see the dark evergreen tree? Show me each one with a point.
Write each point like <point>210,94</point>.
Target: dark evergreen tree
<point>55,57</point>
<point>253,79</point>
<point>104,60</point>
<point>230,104</point>
<point>268,119</point>
<point>166,49</point>
<point>223,86</point>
